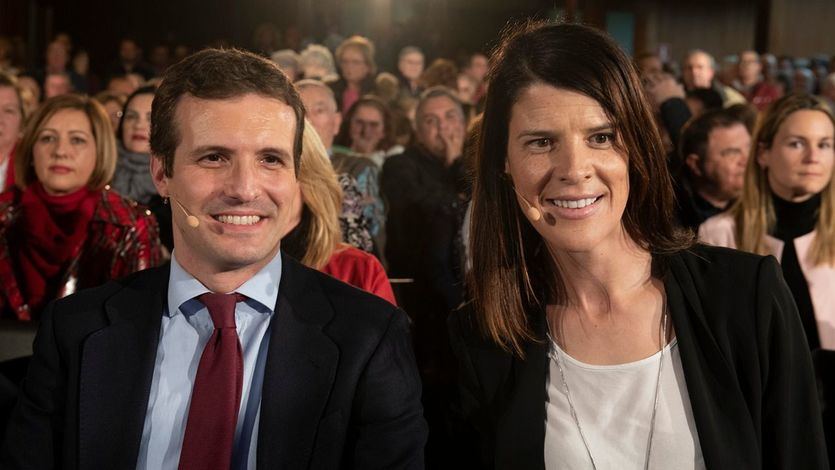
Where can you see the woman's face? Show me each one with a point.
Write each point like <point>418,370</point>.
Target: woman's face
<point>136,124</point>
<point>64,154</point>
<point>367,129</point>
<point>411,65</point>
<point>353,66</point>
<point>799,162</point>
<point>562,158</point>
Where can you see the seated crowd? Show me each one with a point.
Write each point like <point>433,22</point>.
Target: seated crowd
<point>384,176</point>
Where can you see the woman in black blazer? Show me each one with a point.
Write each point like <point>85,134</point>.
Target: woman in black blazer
<point>599,336</point>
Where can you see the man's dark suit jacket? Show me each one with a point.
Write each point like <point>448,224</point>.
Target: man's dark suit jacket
<point>341,389</point>
<point>745,358</point>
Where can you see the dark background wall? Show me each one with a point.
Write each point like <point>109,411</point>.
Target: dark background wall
<point>447,27</point>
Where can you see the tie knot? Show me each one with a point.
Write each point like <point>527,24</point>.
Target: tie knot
<point>221,308</point>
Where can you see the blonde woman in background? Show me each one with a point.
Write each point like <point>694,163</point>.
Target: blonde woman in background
<point>314,238</point>
<point>787,208</point>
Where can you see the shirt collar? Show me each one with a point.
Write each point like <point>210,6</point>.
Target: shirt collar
<point>262,287</point>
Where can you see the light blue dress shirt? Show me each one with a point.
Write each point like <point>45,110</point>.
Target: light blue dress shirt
<point>185,330</point>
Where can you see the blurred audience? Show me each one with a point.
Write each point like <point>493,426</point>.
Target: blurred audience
<point>317,63</point>
<point>314,235</point>
<point>410,63</point>
<point>129,61</point>
<point>357,69</point>
<point>749,81</point>
<point>11,126</point>
<point>320,105</point>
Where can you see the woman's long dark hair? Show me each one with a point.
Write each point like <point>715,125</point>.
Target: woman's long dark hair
<point>512,273</point>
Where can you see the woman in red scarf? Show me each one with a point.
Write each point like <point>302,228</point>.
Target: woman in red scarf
<point>62,228</point>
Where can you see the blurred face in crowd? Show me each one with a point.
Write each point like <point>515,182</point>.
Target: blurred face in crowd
<point>114,112</point>
<point>561,154</point>
<point>81,63</point>
<point>353,65</point>
<point>30,92</point>
<point>233,170</point>
<point>466,88</point>
<point>64,154</point>
<point>367,129</point>
<point>722,171</point>
<point>136,124</point>
<point>121,86</point>
<point>411,65</point>
<point>321,111</point>
<point>56,84</point>
<point>128,51</point>
<point>10,120</point>
<point>478,67</point>
<point>800,159</point>
<point>160,56</point>
<point>698,71</point>
<point>749,67</point>
<point>438,119</point>
<point>650,65</point>
<point>57,56</point>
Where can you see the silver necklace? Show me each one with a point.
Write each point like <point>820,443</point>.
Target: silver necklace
<point>558,360</point>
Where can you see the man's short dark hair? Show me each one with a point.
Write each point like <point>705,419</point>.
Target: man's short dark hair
<point>217,74</point>
<point>696,133</point>
<point>710,98</point>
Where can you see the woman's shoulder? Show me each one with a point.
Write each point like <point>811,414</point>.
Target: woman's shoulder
<point>352,265</point>
<point>718,230</point>
<point>716,262</point>
<point>115,209</point>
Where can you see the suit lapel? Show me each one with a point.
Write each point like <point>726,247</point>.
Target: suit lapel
<point>299,373</point>
<point>520,430</point>
<point>713,387</point>
<point>116,370</point>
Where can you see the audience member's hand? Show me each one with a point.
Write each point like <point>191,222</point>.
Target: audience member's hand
<point>454,141</point>
<point>660,87</point>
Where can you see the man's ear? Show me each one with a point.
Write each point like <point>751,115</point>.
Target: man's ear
<point>692,161</point>
<point>158,175</point>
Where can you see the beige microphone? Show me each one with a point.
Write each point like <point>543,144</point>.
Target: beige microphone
<point>191,220</point>
<point>532,212</point>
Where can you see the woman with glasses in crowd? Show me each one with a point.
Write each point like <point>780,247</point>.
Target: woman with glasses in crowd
<point>597,329</point>
<point>357,69</point>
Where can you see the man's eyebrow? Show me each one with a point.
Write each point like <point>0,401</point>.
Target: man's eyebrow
<point>204,149</point>
<point>275,151</point>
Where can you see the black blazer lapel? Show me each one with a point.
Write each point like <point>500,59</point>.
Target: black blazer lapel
<point>719,408</point>
<point>520,430</point>
<point>301,366</point>
<point>117,365</point>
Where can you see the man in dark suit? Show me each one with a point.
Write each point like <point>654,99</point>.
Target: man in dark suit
<point>233,355</point>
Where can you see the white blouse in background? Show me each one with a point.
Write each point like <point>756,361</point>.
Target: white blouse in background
<point>614,406</point>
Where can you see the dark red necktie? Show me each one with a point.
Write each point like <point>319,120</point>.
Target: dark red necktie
<point>213,413</point>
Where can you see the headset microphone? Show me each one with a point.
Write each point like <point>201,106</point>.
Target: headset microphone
<point>532,212</point>
<point>191,220</point>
